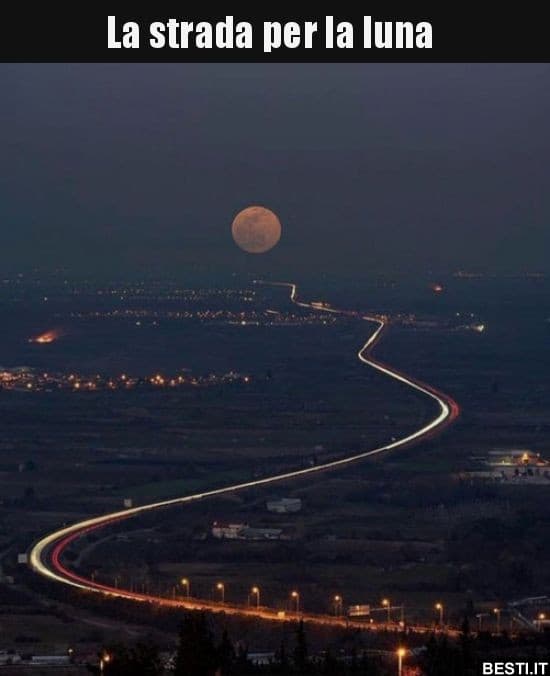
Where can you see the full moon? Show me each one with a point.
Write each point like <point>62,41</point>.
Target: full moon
<point>256,229</point>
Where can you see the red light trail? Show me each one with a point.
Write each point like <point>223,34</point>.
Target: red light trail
<point>46,555</point>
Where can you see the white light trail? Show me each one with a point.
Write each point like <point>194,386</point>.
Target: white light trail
<point>47,563</point>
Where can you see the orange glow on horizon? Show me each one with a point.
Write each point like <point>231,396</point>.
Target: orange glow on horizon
<point>47,337</point>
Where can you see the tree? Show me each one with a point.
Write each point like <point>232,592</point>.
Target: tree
<point>143,658</point>
<point>226,653</point>
<point>330,664</point>
<point>281,658</point>
<point>368,667</point>
<point>242,663</point>
<point>300,650</point>
<point>441,659</point>
<point>466,644</point>
<point>196,654</point>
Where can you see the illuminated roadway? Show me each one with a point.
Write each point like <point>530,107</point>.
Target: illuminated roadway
<point>46,555</point>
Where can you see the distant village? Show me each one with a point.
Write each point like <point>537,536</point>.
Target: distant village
<point>26,379</point>
<point>243,531</point>
<point>512,466</point>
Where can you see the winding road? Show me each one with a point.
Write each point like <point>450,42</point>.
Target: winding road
<point>46,555</point>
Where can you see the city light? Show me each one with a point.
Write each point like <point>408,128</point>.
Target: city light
<point>255,591</point>
<point>185,583</point>
<point>18,378</point>
<point>439,607</point>
<point>296,597</point>
<point>386,604</point>
<point>497,612</point>
<point>105,659</point>
<point>221,588</point>
<point>401,652</point>
<point>45,338</point>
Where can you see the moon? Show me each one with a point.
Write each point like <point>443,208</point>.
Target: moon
<point>256,229</point>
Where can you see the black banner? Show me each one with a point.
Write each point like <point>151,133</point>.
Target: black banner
<point>451,33</point>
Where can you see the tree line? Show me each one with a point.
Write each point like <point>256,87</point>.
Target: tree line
<point>200,653</point>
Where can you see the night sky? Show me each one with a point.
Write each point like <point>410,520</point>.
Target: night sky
<point>383,168</point>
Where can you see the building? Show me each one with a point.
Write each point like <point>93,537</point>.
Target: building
<point>514,466</point>
<point>242,531</point>
<point>261,659</point>
<point>284,505</point>
<point>513,456</point>
<point>261,533</point>
<point>361,610</point>
<point>227,531</point>
<point>8,657</point>
<point>51,660</point>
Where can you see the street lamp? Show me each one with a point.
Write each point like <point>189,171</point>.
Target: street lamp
<point>386,604</point>
<point>338,603</point>
<point>296,596</point>
<point>221,588</point>
<point>185,583</point>
<point>255,591</point>
<point>105,659</point>
<point>439,607</point>
<point>401,652</point>
<point>497,612</point>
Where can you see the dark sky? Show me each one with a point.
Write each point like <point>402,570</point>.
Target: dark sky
<point>370,167</point>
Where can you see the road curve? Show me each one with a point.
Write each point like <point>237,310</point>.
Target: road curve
<point>45,557</point>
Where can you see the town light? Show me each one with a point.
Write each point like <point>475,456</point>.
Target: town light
<point>497,612</point>
<point>221,588</point>
<point>401,652</point>
<point>105,659</point>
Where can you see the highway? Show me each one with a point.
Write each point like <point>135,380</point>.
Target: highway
<point>45,556</point>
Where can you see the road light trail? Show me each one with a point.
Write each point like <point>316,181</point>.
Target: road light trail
<point>45,555</point>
